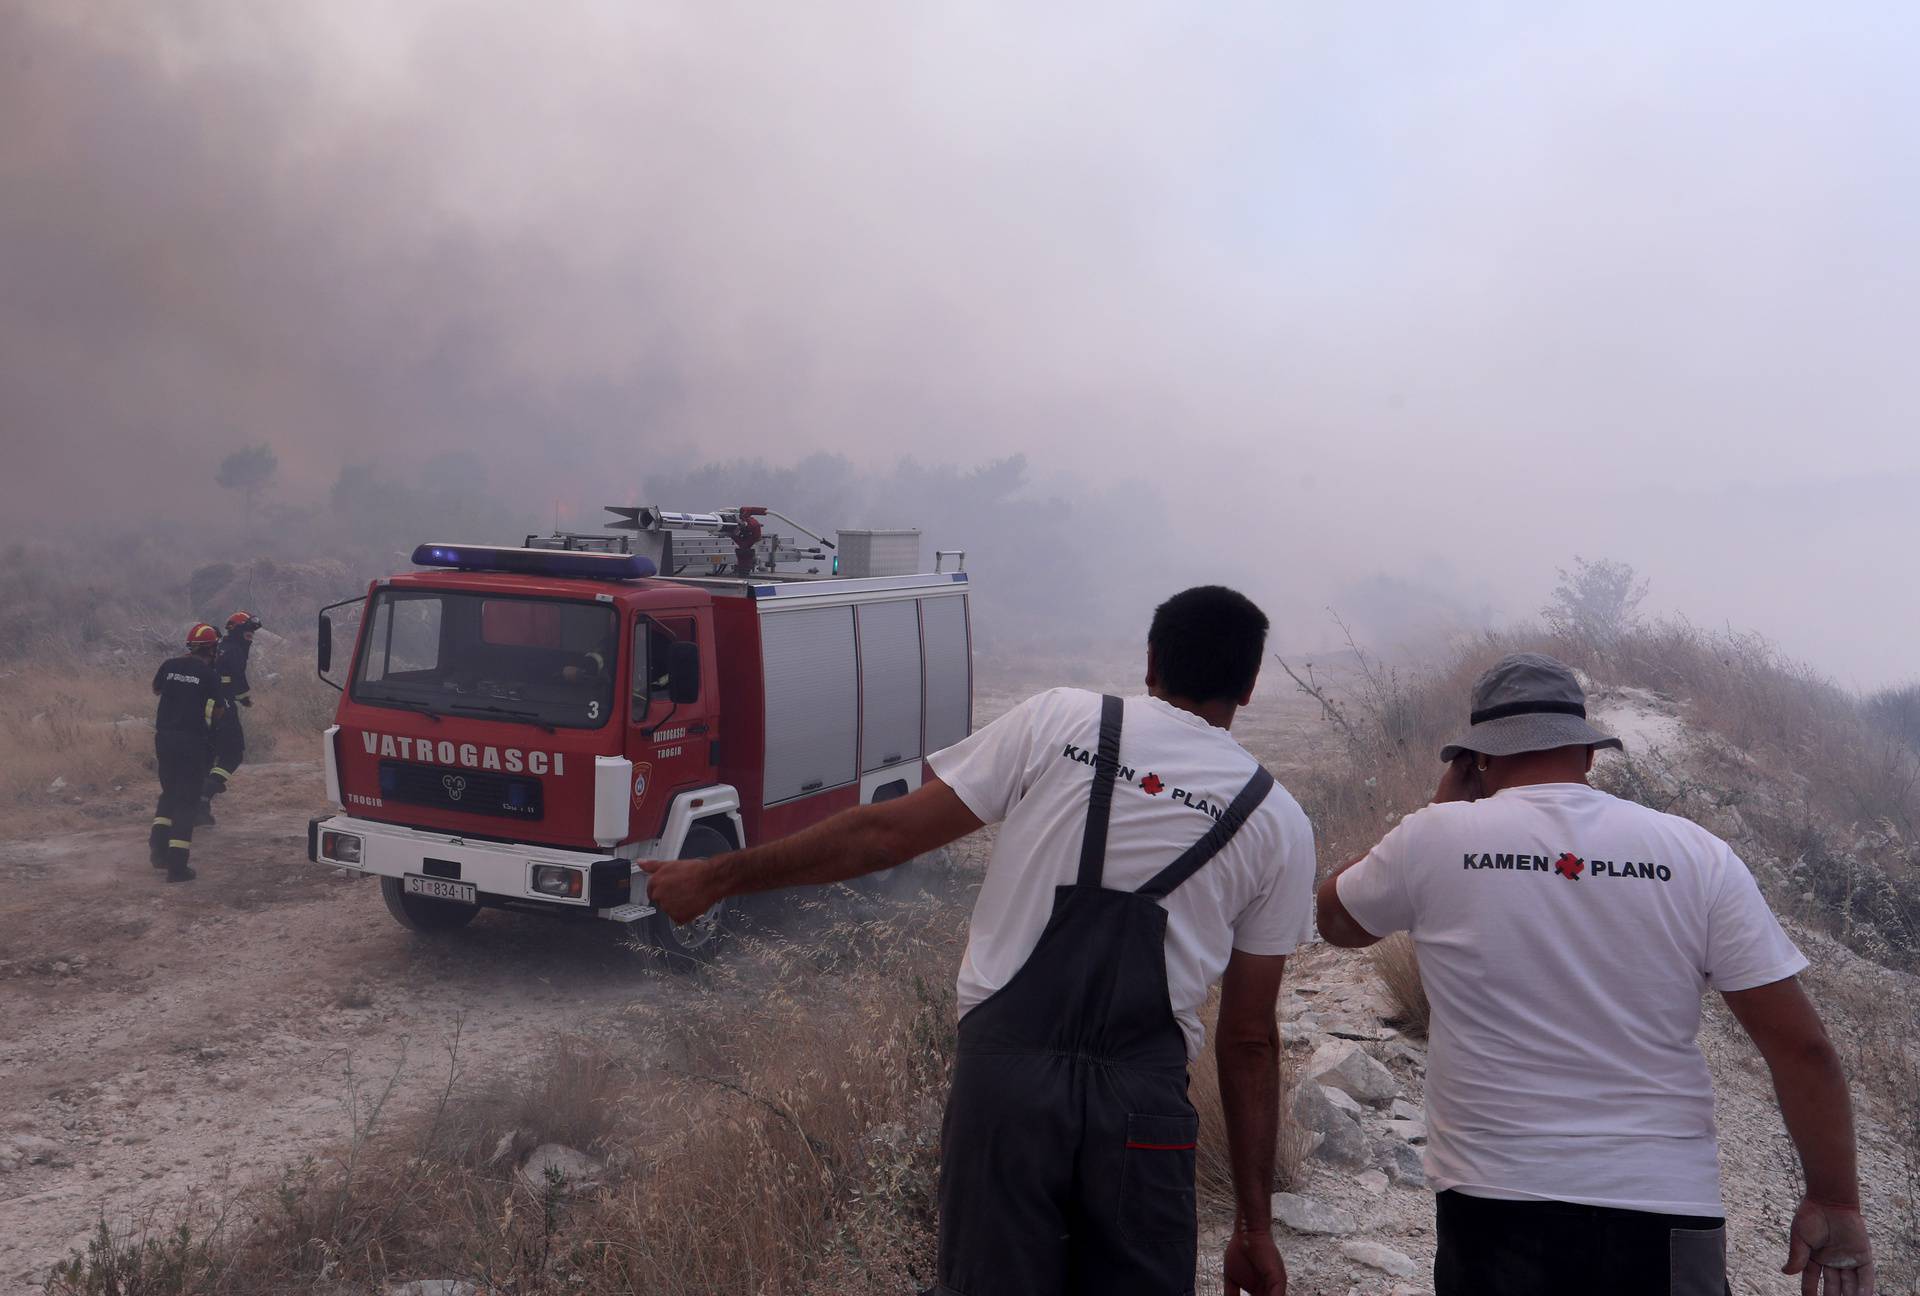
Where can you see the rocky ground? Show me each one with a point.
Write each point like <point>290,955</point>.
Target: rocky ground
<point>1359,1218</point>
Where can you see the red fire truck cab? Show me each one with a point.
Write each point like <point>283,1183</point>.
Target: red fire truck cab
<point>518,725</point>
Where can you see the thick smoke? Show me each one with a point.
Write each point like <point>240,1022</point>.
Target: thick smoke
<point>1396,314</point>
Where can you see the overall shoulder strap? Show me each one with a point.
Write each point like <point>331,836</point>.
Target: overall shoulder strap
<point>1106,766</point>
<point>1214,840</point>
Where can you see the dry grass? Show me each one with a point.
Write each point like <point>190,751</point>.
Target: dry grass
<point>1397,965</point>
<point>779,1135</point>
<point>76,746</point>
<point>90,732</point>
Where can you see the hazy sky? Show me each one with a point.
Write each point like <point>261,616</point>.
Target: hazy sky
<point>1443,293</point>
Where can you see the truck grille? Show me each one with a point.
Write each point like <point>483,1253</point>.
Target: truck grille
<point>465,790</point>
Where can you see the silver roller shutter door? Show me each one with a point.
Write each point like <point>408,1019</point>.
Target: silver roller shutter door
<point>813,714</point>
<point>949,675</point>
<point>889,683</point>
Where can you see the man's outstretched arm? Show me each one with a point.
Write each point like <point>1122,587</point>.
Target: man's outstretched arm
<point>1246,1045</point>
<point>1828,1239</point>
<point>851,844</point>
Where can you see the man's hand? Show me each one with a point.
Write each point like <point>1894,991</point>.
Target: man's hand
<point>1827,1246</point>
<point>1253,1266</point>
<point>1460,781</point>
<point>682,889</point>
<point>848,845</point>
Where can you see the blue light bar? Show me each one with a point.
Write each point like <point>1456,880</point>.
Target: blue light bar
<point>535,562</point>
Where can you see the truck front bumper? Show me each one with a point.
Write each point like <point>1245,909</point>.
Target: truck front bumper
<point>503,874</point>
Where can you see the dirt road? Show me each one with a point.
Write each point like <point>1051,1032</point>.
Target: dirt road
<point>162,1041</point>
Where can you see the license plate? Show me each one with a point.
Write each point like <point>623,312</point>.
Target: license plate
<point>441,889</point>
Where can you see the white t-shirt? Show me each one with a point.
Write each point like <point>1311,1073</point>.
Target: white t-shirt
<point>1031,770</point>
<point>1566,938</point>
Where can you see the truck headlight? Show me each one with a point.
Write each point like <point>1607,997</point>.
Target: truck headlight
<point>557,880</point>
<point>342,848</point>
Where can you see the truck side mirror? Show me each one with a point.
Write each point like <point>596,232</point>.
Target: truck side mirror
<point>323,641</point>
<point>683,672</point>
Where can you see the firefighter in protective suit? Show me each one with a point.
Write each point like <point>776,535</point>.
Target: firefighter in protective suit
<point>229,739</point>
<point>190,696</point>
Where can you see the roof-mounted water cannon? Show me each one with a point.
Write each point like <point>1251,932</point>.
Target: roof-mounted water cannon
<point>729,541</point>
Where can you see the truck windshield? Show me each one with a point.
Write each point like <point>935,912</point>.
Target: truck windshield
<point>496,657</point>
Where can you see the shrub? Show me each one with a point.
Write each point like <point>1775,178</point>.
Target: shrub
<point>134,1263</point>
<point>1896,712</point>
<point>1596,604</point>
<point>1397,965</point>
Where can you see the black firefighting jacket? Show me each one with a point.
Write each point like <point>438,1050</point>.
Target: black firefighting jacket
<point>190,691</point>
<point>231,660</point>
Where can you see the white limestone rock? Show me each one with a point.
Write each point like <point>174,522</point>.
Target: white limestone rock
<point>1340,1139</point>
<point>1413,1131</point>
<point>1308,1215</point>
<point>1375,1256</point>
<point>1343,1101</point>
<point>1344,1065</point>
<point>1402,1163</point>
<point>576,1169</point>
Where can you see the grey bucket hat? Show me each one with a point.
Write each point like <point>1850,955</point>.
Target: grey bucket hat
<point>1527,702</point>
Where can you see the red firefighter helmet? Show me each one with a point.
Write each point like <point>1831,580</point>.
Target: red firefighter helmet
<point>240,621</point>
<point>202,636</point>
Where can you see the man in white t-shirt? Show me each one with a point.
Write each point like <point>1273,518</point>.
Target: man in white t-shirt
<point>1565,939</point>
<point>1142,855</point>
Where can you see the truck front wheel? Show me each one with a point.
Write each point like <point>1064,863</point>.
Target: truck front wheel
<point>422,914</point>
<point>697,941</point>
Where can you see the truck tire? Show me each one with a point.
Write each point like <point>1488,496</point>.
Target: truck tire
<point>698,941</point>
<point>421,914</point>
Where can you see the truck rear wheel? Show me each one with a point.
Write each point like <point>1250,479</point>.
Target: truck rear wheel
<point>697,941</point>
<point>422,914</point>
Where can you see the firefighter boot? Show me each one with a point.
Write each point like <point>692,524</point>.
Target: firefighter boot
<point>157,841</point>
<point>177,867</point>
<point>215,784</point>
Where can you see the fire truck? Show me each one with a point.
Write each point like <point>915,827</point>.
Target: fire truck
<point>518,725</point>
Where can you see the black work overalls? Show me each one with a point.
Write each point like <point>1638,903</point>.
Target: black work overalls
<point>1067,1156</point>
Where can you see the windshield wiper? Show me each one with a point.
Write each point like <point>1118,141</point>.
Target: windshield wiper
<point>407,704</point>
<point>514,713</point>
